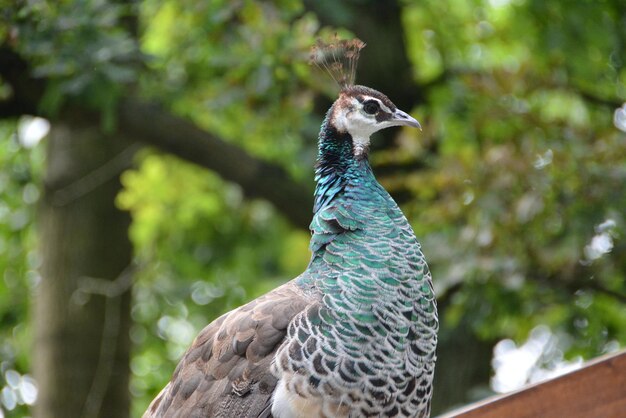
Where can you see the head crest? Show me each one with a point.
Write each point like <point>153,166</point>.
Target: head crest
<point>339,58</point>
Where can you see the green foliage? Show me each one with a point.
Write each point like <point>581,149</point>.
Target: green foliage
<point>19,191</point>
<point>237,69</point>
<point>82,47</point>
<point>531,171</point>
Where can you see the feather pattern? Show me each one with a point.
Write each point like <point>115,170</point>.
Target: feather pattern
<point>352,336</point>
<point>225,371</point>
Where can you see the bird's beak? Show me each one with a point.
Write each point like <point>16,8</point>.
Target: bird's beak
<point>401,118</point>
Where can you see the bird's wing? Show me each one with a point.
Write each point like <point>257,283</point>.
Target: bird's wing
<point>226,371</point>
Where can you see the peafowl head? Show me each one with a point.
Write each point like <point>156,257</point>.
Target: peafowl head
<point>359,111</point>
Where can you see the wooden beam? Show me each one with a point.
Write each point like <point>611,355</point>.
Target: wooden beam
<point>596,390</point>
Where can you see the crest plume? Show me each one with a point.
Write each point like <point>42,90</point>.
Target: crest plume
<point>339,58</point>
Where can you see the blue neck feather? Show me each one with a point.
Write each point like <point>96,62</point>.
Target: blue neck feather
<point>337,165</point>
<point>334,161</point>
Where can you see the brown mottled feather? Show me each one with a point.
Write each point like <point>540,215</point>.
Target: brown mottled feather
<point>226,371</point>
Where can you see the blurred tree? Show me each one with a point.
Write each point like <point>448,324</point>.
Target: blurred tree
<point>515,187</point>
<point>86,256</point>
<point>77,320</point>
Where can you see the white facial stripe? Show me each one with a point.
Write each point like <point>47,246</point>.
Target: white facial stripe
<point>360,126</point>
<point>352,119</point>
<point>383,107</point>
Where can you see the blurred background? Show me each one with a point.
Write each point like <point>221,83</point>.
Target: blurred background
<point>156,171</point>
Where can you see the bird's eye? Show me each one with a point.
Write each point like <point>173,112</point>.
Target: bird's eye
<point>371,107</point>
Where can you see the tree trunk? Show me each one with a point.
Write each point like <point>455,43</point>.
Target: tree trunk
<point>82,305</point>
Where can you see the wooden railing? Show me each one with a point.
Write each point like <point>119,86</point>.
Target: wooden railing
<point>597,390</point>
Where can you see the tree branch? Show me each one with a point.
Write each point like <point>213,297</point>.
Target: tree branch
<point>152,125</point>
<point>590,97</point>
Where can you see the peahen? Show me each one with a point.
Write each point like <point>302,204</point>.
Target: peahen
<point>352,336</point>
